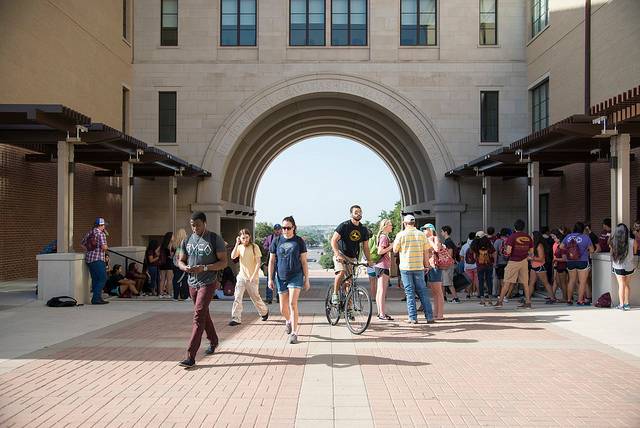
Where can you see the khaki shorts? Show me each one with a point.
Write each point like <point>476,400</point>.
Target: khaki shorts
<point>447,276</point>
<point>343,267</point>
<point>517,272</point>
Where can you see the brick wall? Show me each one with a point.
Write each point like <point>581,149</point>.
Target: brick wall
<point>28,209</point>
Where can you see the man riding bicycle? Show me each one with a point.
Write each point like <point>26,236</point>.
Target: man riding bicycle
<point>345,244</point>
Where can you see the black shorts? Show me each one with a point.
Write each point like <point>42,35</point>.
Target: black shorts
<point>381,271</point>
<point>622,272</point>
<point>571,265</point>
<point>500,271</point>
<point>539,269</point>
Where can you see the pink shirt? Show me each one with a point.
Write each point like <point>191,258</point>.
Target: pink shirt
<point>385,260</point>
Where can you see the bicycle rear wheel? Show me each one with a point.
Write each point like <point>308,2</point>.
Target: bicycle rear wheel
<point>332,311</point>
<point>358,309</point>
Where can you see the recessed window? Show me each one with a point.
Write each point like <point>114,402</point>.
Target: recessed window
<point>169,23</point>
<point>544,210</point>
<point>167,117</point>
<point>539,16</point>
<point>125,110</point>
<point>488,22</point>
<point>125,20</point>
<point>306,22</point>
<point>418,22</point>
<point>238,23</point>
<point>489,116</point>
<point>540,106</point>
<point>349,22</point>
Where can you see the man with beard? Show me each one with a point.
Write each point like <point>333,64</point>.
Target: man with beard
<point>345,243</point>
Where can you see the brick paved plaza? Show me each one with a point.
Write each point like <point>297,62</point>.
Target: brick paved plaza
<point>116,366</point>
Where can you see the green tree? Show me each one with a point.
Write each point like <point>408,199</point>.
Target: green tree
<point>326,259</point>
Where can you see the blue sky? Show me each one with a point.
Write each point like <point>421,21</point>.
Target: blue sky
<point>318,179</point>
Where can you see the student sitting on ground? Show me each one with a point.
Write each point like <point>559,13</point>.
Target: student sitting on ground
<point>139,277</point>
<point>119,285</point>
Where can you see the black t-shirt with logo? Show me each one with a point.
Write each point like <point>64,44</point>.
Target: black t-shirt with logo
<point>350,238</point>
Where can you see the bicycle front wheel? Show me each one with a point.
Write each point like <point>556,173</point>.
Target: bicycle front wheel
<point>332,311</point>
<point>358,310</point>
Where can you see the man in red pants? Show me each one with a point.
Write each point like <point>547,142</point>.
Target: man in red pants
<point>203,255</point>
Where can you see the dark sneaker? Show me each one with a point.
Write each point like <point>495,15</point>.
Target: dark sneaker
<point>268,302</point>
<point>210,349</point>
<point>188,363</point>
<point>265,316</point>
<point>287,327</point>
<point>293,338</point>
<point>100,302</point>
<point>233,323</point>
<point>431,321</point>
<point>456,300</point>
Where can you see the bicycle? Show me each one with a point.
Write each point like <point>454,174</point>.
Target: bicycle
<point>355,303</point>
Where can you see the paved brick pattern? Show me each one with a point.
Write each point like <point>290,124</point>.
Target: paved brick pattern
<point>484,369</point>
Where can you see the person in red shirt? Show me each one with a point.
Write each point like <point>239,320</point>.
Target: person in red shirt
<point>519,249</point>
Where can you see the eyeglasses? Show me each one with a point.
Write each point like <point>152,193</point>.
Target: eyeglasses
<point>287,228</point>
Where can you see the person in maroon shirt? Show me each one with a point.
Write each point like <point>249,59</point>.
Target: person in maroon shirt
<point>519,248</point>
<point>603,239</point>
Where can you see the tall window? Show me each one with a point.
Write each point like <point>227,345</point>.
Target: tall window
<point>540,106</point>
<point>125,110</point>
<point>489,116</point>
<point>543,208</point>
<point>125,20</point>
<point>488,22</point>
<point>238,19</point>
<point>306,23</point>
<point>167,117</point>
<point>539,15</point>
<point>349,22</point>
<point>418,22</point>
<point>169,24</point>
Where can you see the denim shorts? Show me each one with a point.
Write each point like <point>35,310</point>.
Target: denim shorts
<point>434,275</point>
<point>296,281</point>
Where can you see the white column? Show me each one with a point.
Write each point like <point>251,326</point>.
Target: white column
<point>64,227</point>
<point>621,179</point>
<point>486,202</point>
<point>173,201</point>
<point>127,204</point>
<point>533,196</point>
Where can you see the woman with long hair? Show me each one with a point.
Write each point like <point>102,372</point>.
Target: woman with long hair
<point>538,269</point>
<point>167,250</point>
<point>250,255</point>
<point>577,246</point>
<point>623,247</point>
<point>434,275</point>
<point>561,274</point>
<point>151,263</point>
<point>382,268</point>
<point>290,253</point>
<point>180,287</point>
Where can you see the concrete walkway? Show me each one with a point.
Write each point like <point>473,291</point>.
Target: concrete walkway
<point>115,365</point>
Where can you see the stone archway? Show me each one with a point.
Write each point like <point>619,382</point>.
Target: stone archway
<point>321,104</point>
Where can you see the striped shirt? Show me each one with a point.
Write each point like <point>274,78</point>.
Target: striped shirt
<point>411,244</point>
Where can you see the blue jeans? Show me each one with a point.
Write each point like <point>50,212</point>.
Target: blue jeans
<point>98,271</point>
<point>413,281</point>
<point>485,278</point>
<point>154,273</point>
<point>269,293</point>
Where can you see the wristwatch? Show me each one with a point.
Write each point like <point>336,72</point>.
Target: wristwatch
<point>206,268</point>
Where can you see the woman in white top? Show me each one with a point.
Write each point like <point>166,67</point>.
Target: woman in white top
<point>623,247</point>
<point>247,278</point>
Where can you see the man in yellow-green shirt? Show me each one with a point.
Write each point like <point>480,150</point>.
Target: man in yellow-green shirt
<point>412,246</point>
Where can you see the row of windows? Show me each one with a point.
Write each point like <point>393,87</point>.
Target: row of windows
<point>418,22</point>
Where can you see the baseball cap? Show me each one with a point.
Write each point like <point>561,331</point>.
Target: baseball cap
<point>427,226</point>
<point>277,226</point>
<point>409,219</point>
<point>480,234</point>
<point>100,221</point>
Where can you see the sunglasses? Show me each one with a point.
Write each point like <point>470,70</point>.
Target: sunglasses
<point>287,228</point>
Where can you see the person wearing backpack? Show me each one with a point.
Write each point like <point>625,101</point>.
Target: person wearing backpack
<point>470,266</point>
<point>519,248</point>
<point>623,247</point>
<point>448,273</point>
<point>438,258</point>
<point>485,260</point>
<point>501,260</point>
<point>578,247</point>
<point>203,255</point>
<point>95,246</point>
<point>383,266</point>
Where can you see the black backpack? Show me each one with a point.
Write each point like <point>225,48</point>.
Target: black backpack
<point>61,302</point>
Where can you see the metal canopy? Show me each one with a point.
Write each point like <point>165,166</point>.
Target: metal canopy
<point>39,127</point>
<point>576,139</point>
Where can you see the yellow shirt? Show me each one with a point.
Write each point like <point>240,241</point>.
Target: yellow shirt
<point>411,244</point>
<point>249,259</point>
